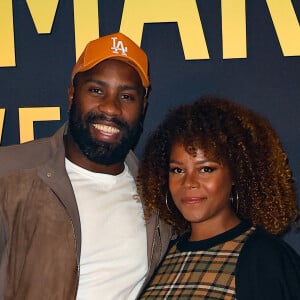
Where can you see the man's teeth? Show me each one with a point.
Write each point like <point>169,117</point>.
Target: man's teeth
<point>106,128</point>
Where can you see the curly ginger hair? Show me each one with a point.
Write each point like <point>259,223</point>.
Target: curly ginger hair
<point>231,135</point>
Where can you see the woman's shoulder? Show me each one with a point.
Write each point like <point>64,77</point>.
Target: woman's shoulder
<point>267,268</point>
<point>263,244</point>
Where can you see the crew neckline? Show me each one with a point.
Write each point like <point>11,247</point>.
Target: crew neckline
<point>184,244</point>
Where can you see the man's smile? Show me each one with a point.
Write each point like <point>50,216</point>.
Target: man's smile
<point>106,129</point>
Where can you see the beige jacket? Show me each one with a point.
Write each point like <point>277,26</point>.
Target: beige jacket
<point>40,237</point>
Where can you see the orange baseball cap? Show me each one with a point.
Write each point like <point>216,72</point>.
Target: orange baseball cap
<point>114,46</point>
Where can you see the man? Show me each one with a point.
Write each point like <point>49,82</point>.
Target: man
<point>71,224</point>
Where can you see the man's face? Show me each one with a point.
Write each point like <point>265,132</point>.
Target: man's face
<point>106,111</point>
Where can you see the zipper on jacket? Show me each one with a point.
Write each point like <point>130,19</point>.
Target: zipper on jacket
<point>158,230</point>
<point>76,248</point>
<point>154,238</point>
<point>77,262</point>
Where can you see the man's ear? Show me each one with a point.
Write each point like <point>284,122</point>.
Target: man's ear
<point>147,90</point>
<point>145,104</point>
<point>70,95</point>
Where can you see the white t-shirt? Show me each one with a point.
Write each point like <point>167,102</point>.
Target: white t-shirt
<point>113,262</point>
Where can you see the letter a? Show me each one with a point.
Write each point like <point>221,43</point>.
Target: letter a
<point>185,13</point>
<point>286,25</point>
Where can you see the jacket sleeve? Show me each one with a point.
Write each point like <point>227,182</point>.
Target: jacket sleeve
<point>2,225</point>
<point>267,268</point>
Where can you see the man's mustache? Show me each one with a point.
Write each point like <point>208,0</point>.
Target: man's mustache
<point>94,118</point>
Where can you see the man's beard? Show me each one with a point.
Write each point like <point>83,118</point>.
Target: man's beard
<point>98,151</point>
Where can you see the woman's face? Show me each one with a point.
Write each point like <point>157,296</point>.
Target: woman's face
<point>200,188</point>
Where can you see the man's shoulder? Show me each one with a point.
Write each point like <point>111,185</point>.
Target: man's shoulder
<point>27,155</point>
<point>19,148</point>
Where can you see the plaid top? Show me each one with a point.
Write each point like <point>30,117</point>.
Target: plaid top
<point>200,270</point>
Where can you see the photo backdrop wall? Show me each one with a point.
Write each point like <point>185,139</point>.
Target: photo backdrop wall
<point>248,51</point>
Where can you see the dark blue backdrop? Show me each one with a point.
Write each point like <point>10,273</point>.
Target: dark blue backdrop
<point>266,80</point>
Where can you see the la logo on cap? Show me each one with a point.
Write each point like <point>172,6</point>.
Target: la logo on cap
<point>118,46</point>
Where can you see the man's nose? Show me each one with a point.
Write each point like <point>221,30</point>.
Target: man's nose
<point>110,105</point>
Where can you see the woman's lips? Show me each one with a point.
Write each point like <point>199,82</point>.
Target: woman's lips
<point>193,200</point>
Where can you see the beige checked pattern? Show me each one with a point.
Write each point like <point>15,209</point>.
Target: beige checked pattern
<point>208,274</point>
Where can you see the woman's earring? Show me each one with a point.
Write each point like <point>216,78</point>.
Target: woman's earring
<point>234,198</point>
<point>167,203</point>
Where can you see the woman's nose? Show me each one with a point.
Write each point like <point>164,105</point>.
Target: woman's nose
<point>191,181</point>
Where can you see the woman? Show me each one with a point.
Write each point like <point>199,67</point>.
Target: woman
<point>217,172</point>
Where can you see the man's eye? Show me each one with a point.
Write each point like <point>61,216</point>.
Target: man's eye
<point>127,97</point>
<point>96,90</point>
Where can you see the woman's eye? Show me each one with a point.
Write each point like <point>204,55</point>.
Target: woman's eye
<point>175,170</point>
<point>206,169</point>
